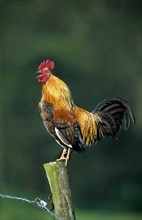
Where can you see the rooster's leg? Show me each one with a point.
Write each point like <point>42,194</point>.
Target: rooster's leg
<point>65,155</point>
<point>62,157</point>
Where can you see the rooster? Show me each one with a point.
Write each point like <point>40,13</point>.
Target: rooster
<point>73,127</point>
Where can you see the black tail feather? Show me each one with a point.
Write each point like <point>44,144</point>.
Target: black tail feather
<point>113,112</point>
<point>108,123</point>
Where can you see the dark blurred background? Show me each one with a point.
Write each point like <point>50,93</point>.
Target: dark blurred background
<point>96,47</point>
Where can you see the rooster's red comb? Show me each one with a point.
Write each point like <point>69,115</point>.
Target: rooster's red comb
<point>48,63</point>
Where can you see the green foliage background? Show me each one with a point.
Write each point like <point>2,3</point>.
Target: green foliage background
<point>96,47</point>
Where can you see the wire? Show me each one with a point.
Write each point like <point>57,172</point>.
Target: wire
<point>38,202</point>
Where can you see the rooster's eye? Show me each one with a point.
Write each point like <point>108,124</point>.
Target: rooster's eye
<point>45,70</point>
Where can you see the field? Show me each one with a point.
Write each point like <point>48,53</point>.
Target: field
<point>15,210</point>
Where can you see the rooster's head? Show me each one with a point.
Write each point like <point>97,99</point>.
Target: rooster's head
<point>44,70</point>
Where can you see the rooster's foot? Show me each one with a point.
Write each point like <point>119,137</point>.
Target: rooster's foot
<point>65,155</point>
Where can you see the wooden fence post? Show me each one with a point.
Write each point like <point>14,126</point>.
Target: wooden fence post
<point>57,175</point>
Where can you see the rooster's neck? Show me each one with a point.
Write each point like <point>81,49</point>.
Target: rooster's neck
<point>56,92</point>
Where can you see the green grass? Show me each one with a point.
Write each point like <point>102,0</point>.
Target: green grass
<point>18,210</point>
<point>15,210</point>
<point>98,215</point>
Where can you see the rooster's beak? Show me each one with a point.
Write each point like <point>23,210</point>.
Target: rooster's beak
<point>38,75</point>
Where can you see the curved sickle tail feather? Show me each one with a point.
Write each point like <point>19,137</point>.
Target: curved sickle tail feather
<point>113,113</point>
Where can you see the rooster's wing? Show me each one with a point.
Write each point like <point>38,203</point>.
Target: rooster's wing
<point>62,126</point>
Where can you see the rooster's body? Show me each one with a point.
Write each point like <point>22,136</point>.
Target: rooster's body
<point>72,127</point>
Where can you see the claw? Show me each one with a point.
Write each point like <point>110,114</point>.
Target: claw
<point>65,155</point>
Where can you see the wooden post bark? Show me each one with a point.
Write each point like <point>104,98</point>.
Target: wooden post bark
<point>57,175</point>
